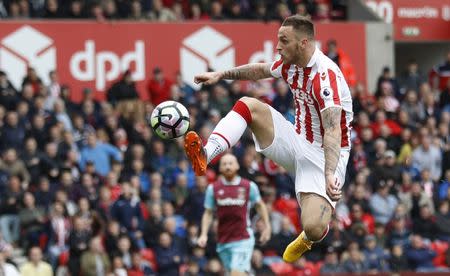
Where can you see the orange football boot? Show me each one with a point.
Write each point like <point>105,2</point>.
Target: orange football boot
<point>195,152</point>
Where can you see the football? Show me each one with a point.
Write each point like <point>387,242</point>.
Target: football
<point>170,120</point>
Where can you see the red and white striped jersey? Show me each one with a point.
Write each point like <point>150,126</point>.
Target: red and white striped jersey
<point>316,87</point>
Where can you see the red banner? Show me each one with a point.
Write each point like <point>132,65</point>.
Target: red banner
<point>94,55</point>
<point>419,20</point>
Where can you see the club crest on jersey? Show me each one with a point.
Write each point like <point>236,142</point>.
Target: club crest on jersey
<point>241,193</point>
<point>326,93</point>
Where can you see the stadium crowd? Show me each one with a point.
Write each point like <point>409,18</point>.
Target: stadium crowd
<point>87,187</point>
<point>172,10</point>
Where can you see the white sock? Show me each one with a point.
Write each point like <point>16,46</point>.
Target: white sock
<point>226,134</point>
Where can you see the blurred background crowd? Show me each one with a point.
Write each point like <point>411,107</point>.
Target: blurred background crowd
<point>172,10</point>
<point>87,188</point>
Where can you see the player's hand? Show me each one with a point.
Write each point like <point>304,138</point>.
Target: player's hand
<point>333,187</point>
<point>202,240</point>
<point>265,235</point>
<point>208,78</point>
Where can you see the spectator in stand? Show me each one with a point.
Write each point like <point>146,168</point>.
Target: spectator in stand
<point>110,10</point>
<point>76,10</point>
<point>397,260</point>
<point>412,78</point>
<point>99,153</point>
<point>13,166</point>
<point>322,12</point>
<point>7,268</point>
<point>443,221</point>
<point>375,255</point>
<point>12,133</point>
<point>35,266</point>
<point>139,266</point>
<point>52,10</point>
<point>387,100</point>
<point>126,210</point>
<point>9,209</point>
<point>136,12</point>
<point>259,267</point>
<point>161,13</point>
<point>358,215</point>
<point>413,107</point>
<point>78,242</point>
<point>382,204</point>
<point>425,225</point>
<point>440,74</point>
<point>168,255</point>
<point>387,76</point>
<point>428,156</point>
<point>158,87</point>
<point>331,263</point>
<point>123,90</point>
<point>32,221</point>
<point>354,260</point>
<point>284,237</point>
<point>59,230</point>
<point>283,99</point>
<point>95,261</point>
<point>33,79</point>
<point>216,10</point>
<point>342,60</point>
<point>302,9</point>
<point>420,255</point>
<point>8,94</point>
<point>381,120</point>
<point>445,98</point>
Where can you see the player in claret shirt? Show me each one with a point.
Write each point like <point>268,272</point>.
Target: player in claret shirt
<point>316,148</point>
<point>232,197</point>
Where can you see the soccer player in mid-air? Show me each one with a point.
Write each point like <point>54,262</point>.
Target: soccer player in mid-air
<point>316,148</point>
<point>231,197</point>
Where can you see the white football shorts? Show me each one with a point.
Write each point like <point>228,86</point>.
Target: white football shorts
<point>301,158</point>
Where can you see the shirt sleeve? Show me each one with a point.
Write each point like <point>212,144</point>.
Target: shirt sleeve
<point>209,198</point>
<point>275,68</point>
<point>254,193</point>
<point>327,88</point>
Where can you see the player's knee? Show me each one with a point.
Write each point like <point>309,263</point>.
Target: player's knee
<point>315,230</point>
<point>255,106</point>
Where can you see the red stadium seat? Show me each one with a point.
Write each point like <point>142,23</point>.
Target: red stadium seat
<point>148,255</point>
<point>64,258</point>
<point>441,249</point>
<point>281,268</point>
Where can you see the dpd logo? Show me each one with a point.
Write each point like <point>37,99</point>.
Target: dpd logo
<point>27,47</point>
<point>205,48</point>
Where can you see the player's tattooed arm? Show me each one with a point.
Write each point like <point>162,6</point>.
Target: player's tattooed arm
<point>252,71</point>
<point>331,120</point>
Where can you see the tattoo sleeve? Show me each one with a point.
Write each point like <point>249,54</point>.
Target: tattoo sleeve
<point>252,71</point>
<point>331,120</point>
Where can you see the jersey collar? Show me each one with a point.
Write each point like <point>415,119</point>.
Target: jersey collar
<point>314,58</point>
<point>235,181</point>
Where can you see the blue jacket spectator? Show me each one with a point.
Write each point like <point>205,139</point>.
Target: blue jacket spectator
<point>167,256</point>
<point>374,255</point>
<point>100,154</point>
<point>382,203</point>
<point>356,262</point>
<point>127,211</point>
<point>12,134</point>
<point>420,257</point>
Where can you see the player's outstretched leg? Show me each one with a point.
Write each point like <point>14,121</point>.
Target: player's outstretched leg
<point>316,215</point>
<point>246,112</point>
